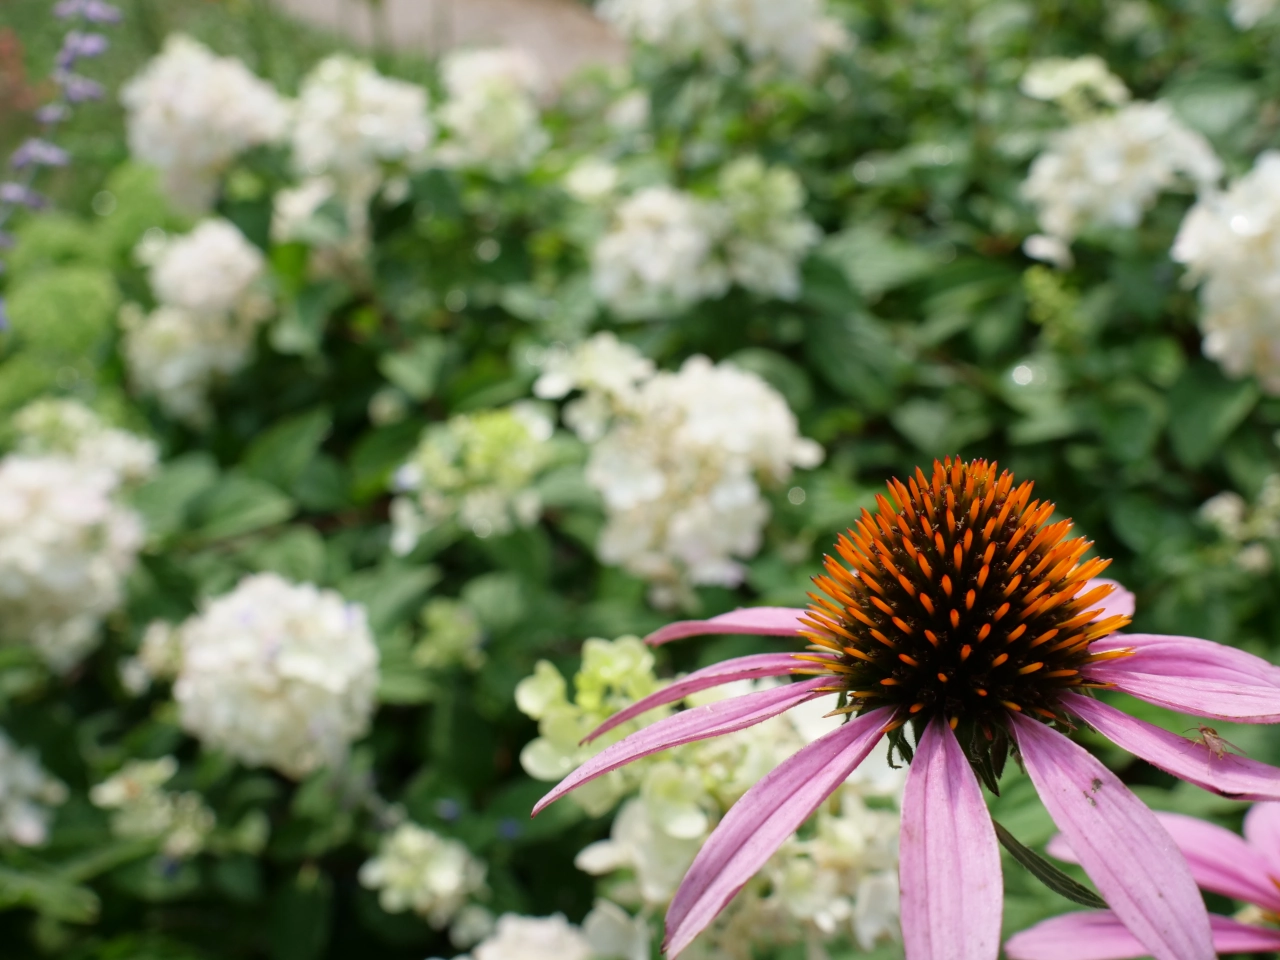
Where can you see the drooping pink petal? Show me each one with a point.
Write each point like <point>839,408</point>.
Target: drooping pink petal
<point>1173,656</point>
<point>1232,776</point>
<point>761,822</point>
<point>1262,830</point>
<point>949,860</point>
<point>1099,935</point>
<point>697,723</point>
<point>740,668</point>
<point>770,621</point>
<point>1135,864</point>
<point>1221,861</point>
<point>1121,601</point>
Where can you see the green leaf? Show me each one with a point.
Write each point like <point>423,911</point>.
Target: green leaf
<point>875,262</point>
<point>49,894</point>
<point>378,454</point>
<point>164,502</point>
<point>416,370</point>
<point>1205,408</point>
<point>1047,873</point>
<point>296,553</point>
<point>302,323</point>
<point>389,593</point>
<point>280,455</point>
<point>301,917</point>
<point>855,355</point>
<point>238,505</point>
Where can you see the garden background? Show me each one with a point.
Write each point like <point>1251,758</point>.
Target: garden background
<point>426,345</point>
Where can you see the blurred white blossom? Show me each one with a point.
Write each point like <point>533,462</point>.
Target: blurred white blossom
<point>66,546</point>
<point>210,308</point>
<point>1230,242</point>
<point>417,869</point>
<point>1076,84</point>
<point>592,180</point>
<point>1107,171</point>
<point>491,114</point>
<point>477,469</point>
<point>27,793</point>
<point>1249,13</point>
<point>142,810</point>
<point>1248,531</point>
<point>190,113</point>
<point>679,460</point>
<point>70,429</point>
<point>453,635</point>
<point>660,256</point>
<point>796,35</point>
<point>769,233</point>
<point>278,674</point>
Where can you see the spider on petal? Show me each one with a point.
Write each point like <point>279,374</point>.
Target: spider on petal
<point>958,610</point>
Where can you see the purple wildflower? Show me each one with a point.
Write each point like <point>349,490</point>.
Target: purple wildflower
<point>78,89</point>
<point>21,195</point>
<point>52,113</point>
<point>94,11</point>
<point>959,610</point>
<point>40,153</point>
<point>80,46</point>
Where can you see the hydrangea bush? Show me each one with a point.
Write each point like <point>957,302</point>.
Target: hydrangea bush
<point>359,413</point>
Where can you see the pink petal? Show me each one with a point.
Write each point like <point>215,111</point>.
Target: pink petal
<point>1099,935</point>
<point>1194,676</point>
<point>771,621</point>
<point>1221,861</point>
<point>1121,601</point>
<point>698,723</point>
<point>949,864</point>
<point>1262,830</point>
<point>761,822</point>
<point>727,671</point>
<point>1121,845</point>
<point>1232,776</point>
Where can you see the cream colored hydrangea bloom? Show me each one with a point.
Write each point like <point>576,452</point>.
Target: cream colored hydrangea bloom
<point>417,869</point>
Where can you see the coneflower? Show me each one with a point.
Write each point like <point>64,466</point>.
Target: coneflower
<point>959,612</point>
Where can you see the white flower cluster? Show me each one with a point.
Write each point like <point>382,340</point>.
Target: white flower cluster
<point>679,459</point>
<point>190,113</point>
<point>417,869</point>
<point>839,880</point>
<point>1230,243</point>
<point>143,810</point>
<point>67,428</point>
<point>668,249</point>
<point>1246,14</point>
<point>796,35</point>
<point>26,795</point>
<point>66,546</point>
<point>1077,84</point>
<point>476,469</point>
<point>278,674</point>
<point>491,114</point>
<point>209,312</point>
<point>607,933</point>
<point>1107,171</point>
<point>453,635</point>
<point>1247,530</point>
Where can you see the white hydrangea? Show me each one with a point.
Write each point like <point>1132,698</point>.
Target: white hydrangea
<point>592,180</point>
<point>66,547</point>
<point>143,810</point>
<point>190,113</point>
<point>417,869</point>
<point>210,308</point>
<point>679,461</point>
<point>352,122</point>
<point>796,35</point>
<point>1247,531</point>
<point>278,674</point>
<point>27,793</point>
<point>1076,84</point>
<point>68,428</point>
<point>1107,171</point>
<point>1246,14</point>
<point>660,257</point>
<point>477,469</point>
<point>1230,242</point>
<point>769,233</point>
<point>534,938</point>
<point>491,114</point>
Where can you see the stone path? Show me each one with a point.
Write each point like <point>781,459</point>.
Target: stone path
<point>562,34</point>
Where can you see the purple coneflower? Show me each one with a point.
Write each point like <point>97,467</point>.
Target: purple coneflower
<point>1245,869</point>
<point>961,613</point>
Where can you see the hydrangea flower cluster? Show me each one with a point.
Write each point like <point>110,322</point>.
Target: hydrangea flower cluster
<point>838,882</point>
<point>209,310</point>
<point>1247,530</point>
<point>1230,243</point>
<point>1108,170</point>
<point>67,428</point>
<point>607,933</point>
<point>797,36</point>
<point>190,113</point>
<point>277,674</point>
<point>679,459</point>
<point>491,114</point>
<point>27,794</point>
<point>417,869</point>
<point>141,809</point>
<point>66,546</point>
<point>668,249</point>
<point>453,635</point>
<point>476,469</point>
<point>1080,85</point>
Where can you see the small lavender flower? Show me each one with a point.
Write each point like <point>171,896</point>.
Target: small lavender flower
<point>52,113</point>
<point>80,46</point>
<point>19,195</point>
<point>78,89</point>
<point>95,11</point>
<point>39,153</point>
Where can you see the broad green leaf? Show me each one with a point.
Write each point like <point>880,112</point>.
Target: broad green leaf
<point>281,454</point>
<point>415,370</point>
<point>48,893</point>
<point>1204,408</point>
<point>237,505</point>
<point>164,503</point>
